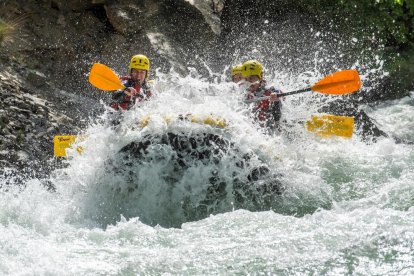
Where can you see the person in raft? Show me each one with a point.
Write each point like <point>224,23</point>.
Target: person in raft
<point>236,74</point>
<point>137,88</point>
<point>266,112</point>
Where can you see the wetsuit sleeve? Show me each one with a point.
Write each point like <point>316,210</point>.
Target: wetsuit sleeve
<point>118,97</point>
<point>275,110</point>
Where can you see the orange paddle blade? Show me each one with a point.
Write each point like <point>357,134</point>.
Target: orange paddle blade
<point>102,77</point>
<point>342,82</point>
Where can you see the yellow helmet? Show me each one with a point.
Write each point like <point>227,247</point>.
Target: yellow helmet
<point>252,68</point>
<point>236,69</point>
<point>139,62</point>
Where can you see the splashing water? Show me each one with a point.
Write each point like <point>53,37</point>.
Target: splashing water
<point>346,206</point>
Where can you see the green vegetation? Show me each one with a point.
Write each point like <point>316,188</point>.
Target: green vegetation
<point>9,28</point>
<point>5,30</point>
<point>388,24</point>
<point>389,20</point>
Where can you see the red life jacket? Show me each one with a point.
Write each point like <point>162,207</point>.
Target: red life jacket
<point>265,112</point>
<point>260,109</point>
<point>123,101</point>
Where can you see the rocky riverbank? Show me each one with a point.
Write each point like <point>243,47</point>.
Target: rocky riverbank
<point>29,120</point>
<point>48,54</point>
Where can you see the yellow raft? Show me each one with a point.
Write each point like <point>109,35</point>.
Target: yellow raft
<point>324,126</point>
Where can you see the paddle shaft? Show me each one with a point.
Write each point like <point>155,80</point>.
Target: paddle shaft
<point>279,95</point>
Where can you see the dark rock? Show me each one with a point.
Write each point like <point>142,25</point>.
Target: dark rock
<point>71,5</point>
<point>37,79</point>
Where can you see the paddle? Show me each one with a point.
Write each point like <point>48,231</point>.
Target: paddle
<point>102,77</point>
<point>327,126</point>
<point>62,142</point>
<point>338,83</point>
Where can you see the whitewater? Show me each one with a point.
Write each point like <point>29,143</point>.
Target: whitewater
<point>346,207</point>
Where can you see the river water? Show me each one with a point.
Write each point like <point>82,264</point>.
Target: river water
<point>346,208</point>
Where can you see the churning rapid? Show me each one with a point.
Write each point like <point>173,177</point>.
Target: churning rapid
<point>186,184</point>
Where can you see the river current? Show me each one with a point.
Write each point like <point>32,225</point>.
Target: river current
<point>346,209</point>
